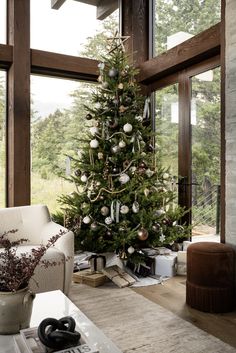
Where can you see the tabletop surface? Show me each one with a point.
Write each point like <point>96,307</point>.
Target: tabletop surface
<point>55,304</point>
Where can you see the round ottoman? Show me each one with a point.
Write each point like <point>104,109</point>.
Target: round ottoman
<point>210,277</point>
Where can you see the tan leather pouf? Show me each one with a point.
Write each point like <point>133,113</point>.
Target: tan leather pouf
<point>210,277</point>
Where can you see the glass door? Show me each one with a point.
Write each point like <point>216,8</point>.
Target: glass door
<point>205,152</point>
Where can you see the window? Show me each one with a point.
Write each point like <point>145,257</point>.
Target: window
<point>2,21</point>
<point>72,30</point>
<point>179,20</point>
<point>2,137</point>
<point>57,126</point>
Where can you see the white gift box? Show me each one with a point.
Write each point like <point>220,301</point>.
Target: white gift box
<point>165,265</point>
<point>182,263</point>
<point>186,243</point>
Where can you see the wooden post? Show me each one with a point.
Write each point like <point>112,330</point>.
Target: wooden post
<point>18,115</point>
<point>135,23</point>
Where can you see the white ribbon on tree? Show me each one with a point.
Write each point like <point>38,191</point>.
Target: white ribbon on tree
<point>115,210</point>
<point>68,166</point>
<point>146,110</point>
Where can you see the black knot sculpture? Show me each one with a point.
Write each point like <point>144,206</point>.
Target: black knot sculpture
<point>58,334</point>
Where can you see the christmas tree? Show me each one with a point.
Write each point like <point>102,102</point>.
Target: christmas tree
<point>124,199</point>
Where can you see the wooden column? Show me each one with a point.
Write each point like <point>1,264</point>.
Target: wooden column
<point>223,149</point>
<point>135,23</point>
<point>18,115</point>
<point>184,149</point>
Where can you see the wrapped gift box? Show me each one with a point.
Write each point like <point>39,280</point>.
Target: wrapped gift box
<point>186,243</point>
<point>90,278</point>
<point>182,263</point>
<point>165,265</point>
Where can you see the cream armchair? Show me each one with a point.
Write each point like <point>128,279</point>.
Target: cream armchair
<point>34,223</point>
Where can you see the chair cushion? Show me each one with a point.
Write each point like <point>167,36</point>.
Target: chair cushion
<point>27,220</point>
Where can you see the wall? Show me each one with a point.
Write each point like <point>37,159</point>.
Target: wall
<point>230,123</point>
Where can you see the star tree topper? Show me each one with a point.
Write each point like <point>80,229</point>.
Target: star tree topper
<point>117,41</point>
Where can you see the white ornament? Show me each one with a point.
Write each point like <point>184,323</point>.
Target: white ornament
<point>165,176</point>
<point>94,143</point>
<point>100,155</point>
<point>122,144</point>
<point>135,207</point>
<point>115,149</point>
<point>124,178</point>
<point>98,105</point>
<point>159,212</point>
<point>86,219</point>
<point>132,169</point>
<point>101,65</point>
<point>108,220</point>
<point>162,237</point>
<point>80,153</point>
<point>146,192</point>
<point>94,130</point>
<point>149,172</point>
<point>124,209</point>
<point>105,85</point>
<point>130,250</point>
<point>127,127</point>
<point>84,178</point>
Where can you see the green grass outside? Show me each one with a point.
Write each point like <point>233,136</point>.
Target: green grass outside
<point>46,191</point>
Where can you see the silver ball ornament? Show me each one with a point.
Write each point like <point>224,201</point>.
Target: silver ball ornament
<point>113,72</point>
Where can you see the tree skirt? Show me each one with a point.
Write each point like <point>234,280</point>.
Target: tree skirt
<point>135,324</point>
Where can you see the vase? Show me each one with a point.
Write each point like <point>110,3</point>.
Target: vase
<point>15,310</point>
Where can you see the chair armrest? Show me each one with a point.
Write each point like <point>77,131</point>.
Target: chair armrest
<point>65,244</point>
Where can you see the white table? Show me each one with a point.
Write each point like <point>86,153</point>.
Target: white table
<point>56,304</point>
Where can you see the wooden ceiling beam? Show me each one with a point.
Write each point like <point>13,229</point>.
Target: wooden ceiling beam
<point>89,2</point>
<point>6,56</point>
<point>105,8</point>
<point>200,47</point>
<point>60,65</point>
<point>56,4</point>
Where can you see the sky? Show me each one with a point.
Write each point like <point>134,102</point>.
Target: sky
<point>60,31</point>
